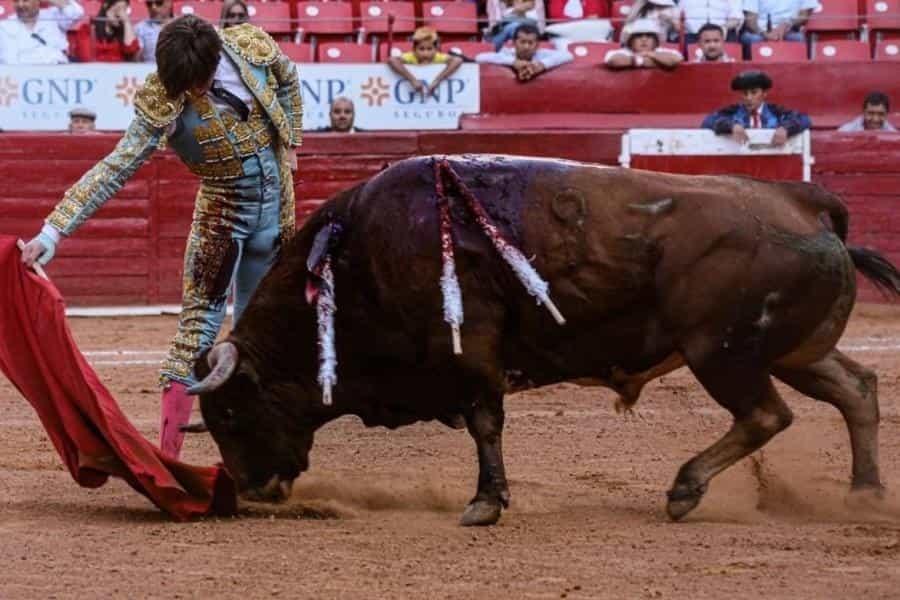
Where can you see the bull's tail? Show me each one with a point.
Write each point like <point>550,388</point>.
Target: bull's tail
<point>877,269</point>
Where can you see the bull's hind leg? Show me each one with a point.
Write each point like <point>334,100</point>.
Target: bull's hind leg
<point>485,424</point>
<point>759,413</point>
<point>852,389</point>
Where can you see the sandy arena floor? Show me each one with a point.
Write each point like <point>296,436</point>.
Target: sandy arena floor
<point>376,515</point>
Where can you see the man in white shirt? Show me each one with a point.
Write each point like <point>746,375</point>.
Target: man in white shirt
<point>727,14</point>
<point>38,37</point>
<point>642,49</point>
<point>786,18</point>
<point>876,108</point>
<point>525,57</point>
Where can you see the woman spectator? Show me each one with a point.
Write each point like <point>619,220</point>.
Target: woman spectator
<point>505,17</point>
<point>114,36</point>
<point>234,12</point>
<point>664,12</point>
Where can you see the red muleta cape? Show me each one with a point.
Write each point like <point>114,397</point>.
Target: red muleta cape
<point>90,432</point>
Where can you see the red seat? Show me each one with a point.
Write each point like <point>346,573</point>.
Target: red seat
<point>397,48</point>
<point>779,52</point>
<point>468,49</point>
<point>887,50</point>
<point>273,17</point>
<point>834,16</point>
<point>451,17</point>
<point>345,52</point>
<point>303,53</point>
<point>882,16</point>
<point>593,53</point>
<point>374,16</point>
<point>208,11</point>
<point>733,50</point>
<point>137,11</point>
<point>590,8</point>
<point>325,17</point>
<point>841,51</point>
<point>91,10</point>
<point>6,9</point>
<point>619,12</point>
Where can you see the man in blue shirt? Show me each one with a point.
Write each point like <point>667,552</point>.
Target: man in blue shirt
<point>753,112</point>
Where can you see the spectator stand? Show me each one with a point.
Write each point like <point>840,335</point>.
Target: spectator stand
<point>700,151</point>
<point>883,19</point>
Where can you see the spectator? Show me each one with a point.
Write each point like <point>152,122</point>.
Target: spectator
<point>642,49</point>
<point>425,52</point>
<point>38,37</point>
<point>342,115</point>
<point>664,12</point>
<point>505,16</point>
<point>234,12</point>
<point>876,107</point>
<point>147,31</point>
<point>712,45</point>
<point>526,58</point>
<point>775,20</point>
<point>727,14</point>
<point>754,113</point>
<point>82,120</point>
<point>115,40</point>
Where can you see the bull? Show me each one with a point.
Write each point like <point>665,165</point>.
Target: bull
<point>741,280</point>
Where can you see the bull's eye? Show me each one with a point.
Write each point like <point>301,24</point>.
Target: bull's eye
<point>229,413</point>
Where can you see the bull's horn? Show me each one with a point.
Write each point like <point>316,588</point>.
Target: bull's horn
<point>222,359</point>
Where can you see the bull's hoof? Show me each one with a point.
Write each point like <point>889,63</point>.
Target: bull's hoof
<point>866,497</point>
<point>683,499</point>
<point>480,512</point>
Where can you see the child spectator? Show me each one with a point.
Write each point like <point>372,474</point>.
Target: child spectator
<point>876,108</point>
<point>505,16</point>
<point>425,52</point>
<point>115,40</point>
<point>663,12</point>
<point>526,58</point>
<point>642,49</point>
<point>754,113</point>
<point>147,31</point>
<point>234,12</point>
<point>712,45</point>
<point>35,36</point>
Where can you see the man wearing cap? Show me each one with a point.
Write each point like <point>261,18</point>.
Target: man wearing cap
<point>228,103</point>
<point>753,112</point>
<point>82,120</point>
<point>642,49</point>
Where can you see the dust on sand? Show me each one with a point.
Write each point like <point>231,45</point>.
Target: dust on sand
<point>376,515</point>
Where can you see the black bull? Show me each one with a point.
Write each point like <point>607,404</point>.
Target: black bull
<point>738,279</point>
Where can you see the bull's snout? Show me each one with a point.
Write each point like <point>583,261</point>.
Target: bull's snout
<point>275,490</point>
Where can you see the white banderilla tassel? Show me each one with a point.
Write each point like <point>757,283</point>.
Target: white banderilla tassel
<point>453,310</point>
<point>325,309</point>
<point>534,283</point>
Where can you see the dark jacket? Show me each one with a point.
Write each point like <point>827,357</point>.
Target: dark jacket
<point>772,116</point>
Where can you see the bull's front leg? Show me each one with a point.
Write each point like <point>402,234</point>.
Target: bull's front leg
<point>485,424</point>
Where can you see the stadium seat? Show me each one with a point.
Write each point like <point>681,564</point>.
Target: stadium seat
<point>451,17</point>
<point>732,49</point>
<point>467,49</point>
<point>887,50</point>
<point>210,11</point>
<point>834,17</point>
<point>137,11</point>
<point>590,8</point>
<point>325,17</point>
<point>779,52</point>
<point>841,50</point>
<point>374,16</point>
<point>273,17</point>
<point>345,52</point>
<point>883,16</point>
<point>397,48</point>
<point>6,9</point>
<point>591,53</point>
<point>619,12</point>
<point>91,9</point>
<point>303,53</point>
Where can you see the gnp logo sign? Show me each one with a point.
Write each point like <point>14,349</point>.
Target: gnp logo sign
<point>40,97</point>
<point>385,101</point>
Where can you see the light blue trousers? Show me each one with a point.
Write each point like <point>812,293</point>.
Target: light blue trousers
<point>234,239</point>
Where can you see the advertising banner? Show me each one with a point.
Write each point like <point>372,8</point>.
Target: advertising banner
<point>39,98</point>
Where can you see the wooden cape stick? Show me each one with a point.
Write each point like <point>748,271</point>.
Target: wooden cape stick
<point>36,266</point>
